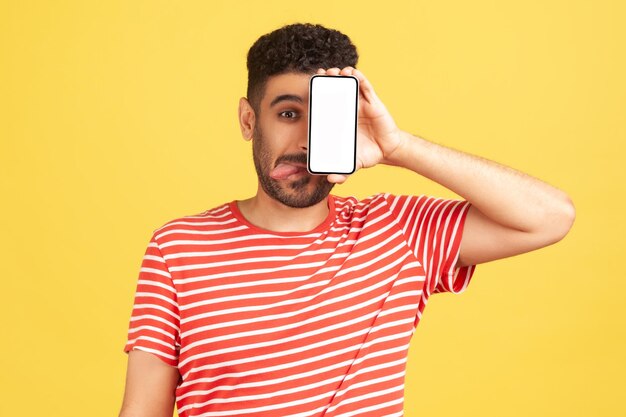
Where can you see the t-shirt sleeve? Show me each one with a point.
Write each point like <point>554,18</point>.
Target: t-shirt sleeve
<point>154,321</point>
<point>433,228</point>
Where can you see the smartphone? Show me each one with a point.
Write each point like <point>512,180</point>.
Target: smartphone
<point>333,111</point>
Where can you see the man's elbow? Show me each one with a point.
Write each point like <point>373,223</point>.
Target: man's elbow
<point>560,223</point>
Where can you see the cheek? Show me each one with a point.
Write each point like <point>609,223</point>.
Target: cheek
<point>263,154</point>
<point>282,138</point>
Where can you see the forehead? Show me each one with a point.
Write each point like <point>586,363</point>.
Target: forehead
<point>291,87</point>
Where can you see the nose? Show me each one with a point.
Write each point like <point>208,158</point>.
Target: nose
<point>304,142</point>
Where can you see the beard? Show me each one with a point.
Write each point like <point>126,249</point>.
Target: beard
<point>303,192</point>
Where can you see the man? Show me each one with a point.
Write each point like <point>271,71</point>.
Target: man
<point>300,302</point>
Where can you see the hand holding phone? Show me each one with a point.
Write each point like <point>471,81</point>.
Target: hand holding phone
<point>333,112</point>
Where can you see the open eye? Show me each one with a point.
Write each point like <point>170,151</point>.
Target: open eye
<point>293,113</point>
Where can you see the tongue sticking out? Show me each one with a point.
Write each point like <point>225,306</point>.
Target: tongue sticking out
<point>284,170</point>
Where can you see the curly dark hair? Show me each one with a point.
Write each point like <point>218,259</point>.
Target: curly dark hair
<point>298,47</point>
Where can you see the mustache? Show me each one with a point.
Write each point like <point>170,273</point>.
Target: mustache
<point>300,158</point>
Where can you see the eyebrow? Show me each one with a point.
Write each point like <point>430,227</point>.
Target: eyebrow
<point>286,97</point>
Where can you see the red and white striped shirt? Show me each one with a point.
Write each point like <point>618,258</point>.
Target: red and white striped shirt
<point>263,323</point>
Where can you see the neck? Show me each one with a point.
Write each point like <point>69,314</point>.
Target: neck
<point>267,213</point>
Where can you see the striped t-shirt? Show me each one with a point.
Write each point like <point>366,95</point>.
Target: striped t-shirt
<point>318,323</point>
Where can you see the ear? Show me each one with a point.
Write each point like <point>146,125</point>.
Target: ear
<point>247,118</point>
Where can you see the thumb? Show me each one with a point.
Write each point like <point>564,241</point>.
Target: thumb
<point>337,178</point>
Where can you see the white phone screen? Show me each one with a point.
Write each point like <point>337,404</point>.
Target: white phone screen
<point>333,111</point>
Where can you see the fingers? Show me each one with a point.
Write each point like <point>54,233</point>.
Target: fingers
<point>336,71</point>
<point>366,87</point>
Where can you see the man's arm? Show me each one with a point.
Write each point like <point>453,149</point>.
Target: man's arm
<point>511,212</point>
<point>150,386</point>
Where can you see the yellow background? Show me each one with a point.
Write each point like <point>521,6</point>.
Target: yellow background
<point>117,116</point>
